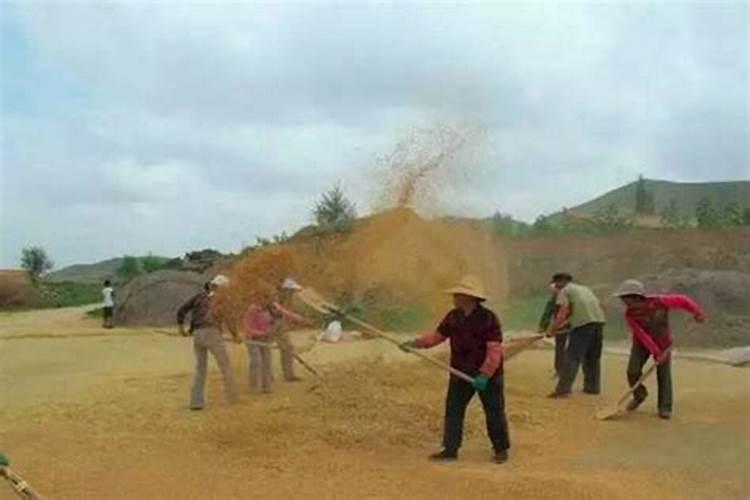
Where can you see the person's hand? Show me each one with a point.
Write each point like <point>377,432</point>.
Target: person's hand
<point>408,345</point>
<point>480,382</point>
<point>661,357</point>
<point>699,318</point>
<point>182,331</point>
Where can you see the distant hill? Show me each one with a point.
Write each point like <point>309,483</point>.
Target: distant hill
<point>90,273</point>
<point>686,196</point>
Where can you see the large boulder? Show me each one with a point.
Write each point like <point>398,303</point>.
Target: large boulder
<point>153,299</point>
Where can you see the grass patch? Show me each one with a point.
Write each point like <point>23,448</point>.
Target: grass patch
<point>68,294</point>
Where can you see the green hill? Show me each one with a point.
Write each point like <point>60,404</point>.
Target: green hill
<point>685,194</point>
<point>90,273</point>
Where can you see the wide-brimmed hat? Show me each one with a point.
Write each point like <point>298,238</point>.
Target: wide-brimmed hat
<point>291,284</point>
<point>219,280</point>
<point>631,287</point>
<point>469,285</point>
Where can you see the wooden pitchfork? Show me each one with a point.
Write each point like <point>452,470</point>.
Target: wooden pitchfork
<point>313,299</point>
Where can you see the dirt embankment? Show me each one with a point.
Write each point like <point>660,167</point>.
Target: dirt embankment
<point>607,260</point>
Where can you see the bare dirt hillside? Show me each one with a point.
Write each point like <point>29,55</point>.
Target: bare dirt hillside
<point>89,414</point>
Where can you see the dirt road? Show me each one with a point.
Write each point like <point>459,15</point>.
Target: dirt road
<point>94,414</point>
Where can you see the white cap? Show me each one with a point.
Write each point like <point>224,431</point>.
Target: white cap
<point>219,280</point>
<point>291,284</point>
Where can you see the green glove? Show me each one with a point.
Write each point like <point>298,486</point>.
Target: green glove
<point>4,462</point>
<point>408,345</point>
<point>480,382</point>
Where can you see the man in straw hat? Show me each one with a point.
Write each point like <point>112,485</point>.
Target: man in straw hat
<point>476,349</point>
<point>647,316</point>
<point>581,308</point>
<point>206,330</point>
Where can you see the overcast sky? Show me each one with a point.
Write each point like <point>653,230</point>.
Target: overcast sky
<point>130,127</point>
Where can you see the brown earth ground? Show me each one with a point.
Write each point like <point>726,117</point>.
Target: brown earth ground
<point>94,414</point>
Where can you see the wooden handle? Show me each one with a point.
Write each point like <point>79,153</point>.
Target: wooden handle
<point>314,300</point>
<point>416,352</point>
<point>640,380</point>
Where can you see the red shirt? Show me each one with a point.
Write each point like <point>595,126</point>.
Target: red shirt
<point>649,321</point>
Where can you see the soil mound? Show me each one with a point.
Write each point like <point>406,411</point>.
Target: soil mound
<point>153,299</point>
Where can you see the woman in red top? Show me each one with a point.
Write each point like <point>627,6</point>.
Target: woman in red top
<point>647,316</point>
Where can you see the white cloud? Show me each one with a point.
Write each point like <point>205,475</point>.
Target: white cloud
<point>151,126</point>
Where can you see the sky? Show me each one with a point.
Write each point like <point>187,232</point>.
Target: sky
<point>135,127</point>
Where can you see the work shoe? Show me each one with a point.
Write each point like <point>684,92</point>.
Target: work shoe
<point>444,456</point>
<point>501,457</point>
<point>558,395</point>
<point>293,379</point>
<point>196,408</point>
<point>634,404</point>
<point>665,414</point>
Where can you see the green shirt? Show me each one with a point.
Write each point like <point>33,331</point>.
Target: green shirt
<point>584,305</point>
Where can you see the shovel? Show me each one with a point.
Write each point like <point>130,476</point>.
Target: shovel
<point>19,485</point>
<point>314,300</point>
<point>617,408</point>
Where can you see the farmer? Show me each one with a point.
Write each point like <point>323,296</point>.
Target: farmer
<point>206,330</point>
<point>561,336</point>
<point>284,318</point>
<point>580,307</point>
<point>108,304</point>
<point>257,324</point>
<point>260,322</point>
<point>647,316</point>
<point>476,349</point>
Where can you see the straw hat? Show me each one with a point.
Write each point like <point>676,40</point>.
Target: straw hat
<point>469,285</point>
<point>631,287</point>
<point>291,284</point>
<point>219,280</point>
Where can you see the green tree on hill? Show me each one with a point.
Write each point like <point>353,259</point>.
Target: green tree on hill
<point>129,269</point>
<point>35,261</point>
<point>732,215</point>
<point>644,199</point>
<point>334,212</point>
<point>706,215</point>
<point>672,218</point>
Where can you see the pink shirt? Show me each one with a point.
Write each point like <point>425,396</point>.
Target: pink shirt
<point>257,321</point>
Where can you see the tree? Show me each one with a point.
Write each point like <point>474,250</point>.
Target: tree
<point>35,261</point>
<point>151,263</point>
<point>732,215</point>
<point>334,212</point>
<point>129,268</point>
<point>503,225</point>
<point>706,215</point>
<point>644,199</point>
<point>543,225</point>
<point>672,218</point>
<point>610,220</point>
<point>746,217</point>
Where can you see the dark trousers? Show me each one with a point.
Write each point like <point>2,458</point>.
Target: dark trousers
<point>493,402</point>
<point>561,340</point>
<point>584,348</point>
<point>638,357</point>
